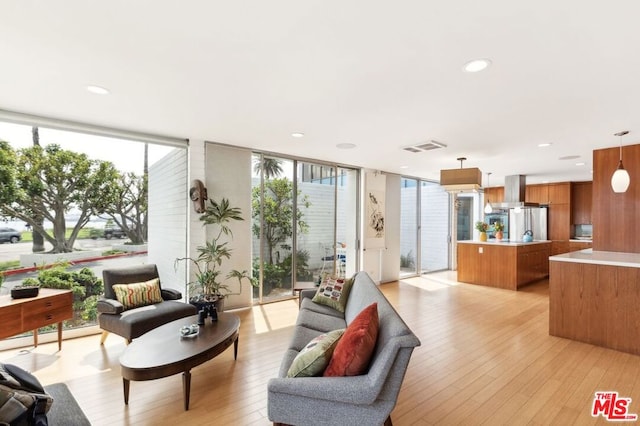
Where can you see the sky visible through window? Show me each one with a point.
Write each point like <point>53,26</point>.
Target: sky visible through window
<point>126,155</point>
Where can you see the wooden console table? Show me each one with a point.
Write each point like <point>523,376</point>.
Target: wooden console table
<point>48,307</point>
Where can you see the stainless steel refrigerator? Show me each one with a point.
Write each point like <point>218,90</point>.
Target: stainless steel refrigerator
<point>524,219</point>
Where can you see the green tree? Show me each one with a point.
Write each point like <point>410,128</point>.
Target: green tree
<point>278,213</point>
<point>129,205</point>
<point>51,182</point>
<point>271,167</point>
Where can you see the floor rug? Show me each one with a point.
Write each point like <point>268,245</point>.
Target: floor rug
<point>65,411</point>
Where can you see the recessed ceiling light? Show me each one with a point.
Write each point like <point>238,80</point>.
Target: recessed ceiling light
<point>98,90</point>
<point>404,167</point>
<point>476,65</point>
<point>346,145</point>
<point>580,164</point>
<point>544,145</point>
<point>297,134</point>
<point>569,157</point>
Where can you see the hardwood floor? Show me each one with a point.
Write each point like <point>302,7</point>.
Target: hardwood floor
<point>486,358</point>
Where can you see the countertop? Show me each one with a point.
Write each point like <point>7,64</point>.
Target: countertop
<point>505,243</point>
<point>580,240</point>
<point>612,258</point>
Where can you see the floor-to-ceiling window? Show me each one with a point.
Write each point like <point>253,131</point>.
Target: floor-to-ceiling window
<point>408,226</point>
<point>306,208</point>
<point>110,201</point>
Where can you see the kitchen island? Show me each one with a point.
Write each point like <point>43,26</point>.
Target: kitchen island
<point>594,298</point>
<point>506,264</point>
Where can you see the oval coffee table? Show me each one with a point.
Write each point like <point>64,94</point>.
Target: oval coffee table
<point>162,352</point>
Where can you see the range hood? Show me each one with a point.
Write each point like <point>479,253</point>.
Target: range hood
<point>514,193</point>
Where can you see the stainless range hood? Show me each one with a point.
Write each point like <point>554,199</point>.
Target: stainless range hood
<point>514,193</point>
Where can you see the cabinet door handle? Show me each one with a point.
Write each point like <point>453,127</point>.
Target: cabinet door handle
<point>49,317</point>
<point>49,304</point>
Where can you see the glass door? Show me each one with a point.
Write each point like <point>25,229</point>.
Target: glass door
<point>434,227</point>
<point>408,226</point>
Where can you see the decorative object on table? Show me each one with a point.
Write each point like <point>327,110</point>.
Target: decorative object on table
<point>482,227</point>
<point>21,292</point>
<point>207,310</point>
<point>208,285</point>
<point>189,330</point>
<point>528,236</point>
<point>620,179</point>
<point>498,227</point>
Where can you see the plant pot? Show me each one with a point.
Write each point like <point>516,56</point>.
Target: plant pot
<point>483,236</point>
<point>499,235</point>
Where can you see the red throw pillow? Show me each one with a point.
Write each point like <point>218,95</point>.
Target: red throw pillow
<point>353,352</point>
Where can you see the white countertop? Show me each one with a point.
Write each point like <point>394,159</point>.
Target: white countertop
<point>510,243</point>
<point>580,240</point>
<point>612,258</point>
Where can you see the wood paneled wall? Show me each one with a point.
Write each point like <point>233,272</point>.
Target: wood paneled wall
<point>616,217</point>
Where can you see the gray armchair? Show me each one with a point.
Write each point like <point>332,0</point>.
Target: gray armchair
<point>132,323</point>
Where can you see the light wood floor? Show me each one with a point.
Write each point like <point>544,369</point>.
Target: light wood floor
<point>486,358</point>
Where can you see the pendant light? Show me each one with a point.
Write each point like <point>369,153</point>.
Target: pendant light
<point>487,208</point>
<point>620,179</point>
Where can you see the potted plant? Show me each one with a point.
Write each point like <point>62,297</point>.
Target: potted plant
<point>498,227</point>
<point>482,227</point>
<point>209,285</point>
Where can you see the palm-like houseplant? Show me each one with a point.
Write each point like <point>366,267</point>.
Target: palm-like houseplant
<point>209,284</point>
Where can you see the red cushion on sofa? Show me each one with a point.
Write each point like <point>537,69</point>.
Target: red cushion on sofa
<point>353,352</point>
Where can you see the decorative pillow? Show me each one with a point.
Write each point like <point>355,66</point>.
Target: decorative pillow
<point>333,292</point>
<point>353,352</point>
<point>138,294</point>
<point>313,358</point>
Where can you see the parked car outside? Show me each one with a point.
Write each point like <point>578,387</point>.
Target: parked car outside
<point>9,235</point>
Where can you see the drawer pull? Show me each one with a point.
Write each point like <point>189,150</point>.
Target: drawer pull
<point>49,304</point>
<point>49,317</point>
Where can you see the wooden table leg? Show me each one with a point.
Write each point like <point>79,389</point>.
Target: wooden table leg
<point>125,388</point>
<point>235,348</point>
<point>59,336</point>
<point>186,388</point>
<point>35,338</point>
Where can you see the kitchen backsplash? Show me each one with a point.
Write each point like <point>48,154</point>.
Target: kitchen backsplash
<point>585,230</point>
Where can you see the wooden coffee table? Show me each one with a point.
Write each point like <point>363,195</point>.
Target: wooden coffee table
<point>162,352</point>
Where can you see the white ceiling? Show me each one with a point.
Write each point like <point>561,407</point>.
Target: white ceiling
<point>379,74</point>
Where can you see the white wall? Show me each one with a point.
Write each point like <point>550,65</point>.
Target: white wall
<point>228,175</point>
<point>167,222</point>
<point>391,255</point>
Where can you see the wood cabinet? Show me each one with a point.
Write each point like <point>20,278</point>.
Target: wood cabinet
<point>579,245</point>
<point>559,193</point>
<point>494,195</point>
<point>581,198</point>
<point>537,194</point>
<point>21,315</point>
<point>503,265</point>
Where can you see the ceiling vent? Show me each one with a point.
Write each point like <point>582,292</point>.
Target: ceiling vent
<point>461,180</point>
<point>427,146</point>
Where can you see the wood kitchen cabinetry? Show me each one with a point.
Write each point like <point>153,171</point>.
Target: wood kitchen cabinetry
<point>537,194</point>
<point>22,315</point>
<point>494,195</point>
<point>503,264</point>
<point>581,198</point>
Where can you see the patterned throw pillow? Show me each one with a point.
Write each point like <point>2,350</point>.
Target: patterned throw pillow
<point>313,358</point>
<point>333,292</point>
<point>353,352</point>
<point>138,294</point>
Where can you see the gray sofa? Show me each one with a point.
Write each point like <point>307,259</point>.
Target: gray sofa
<point>365,400</point>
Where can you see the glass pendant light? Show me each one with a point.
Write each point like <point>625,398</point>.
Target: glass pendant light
<point>620,179</point>
<point>487,208</point>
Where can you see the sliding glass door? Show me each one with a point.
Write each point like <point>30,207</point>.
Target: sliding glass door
<point>305,208</point>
